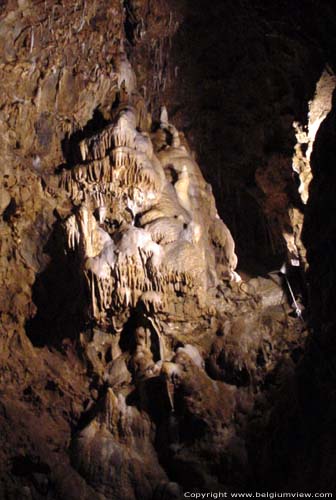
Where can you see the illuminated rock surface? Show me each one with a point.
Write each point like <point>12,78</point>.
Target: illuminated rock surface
<point>139,356</point>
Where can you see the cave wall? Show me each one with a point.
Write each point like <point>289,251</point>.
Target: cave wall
<point>245,82</point>
<point>59,78</point>
<point>311,395</point>
<point>234,77</point>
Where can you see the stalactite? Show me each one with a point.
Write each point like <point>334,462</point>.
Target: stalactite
<point>120,172</point>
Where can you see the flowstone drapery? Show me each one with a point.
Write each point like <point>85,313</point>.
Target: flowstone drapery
<point>145,223</point>
<point>132,361</point>
<point>172,331</point>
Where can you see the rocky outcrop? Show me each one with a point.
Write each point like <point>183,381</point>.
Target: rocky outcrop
<point>135,361</point>
<point>160,267</point>
<point>156,228</point>
<point>258,76</point>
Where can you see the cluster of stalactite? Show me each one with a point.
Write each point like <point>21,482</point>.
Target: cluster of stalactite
<point>145,222</point>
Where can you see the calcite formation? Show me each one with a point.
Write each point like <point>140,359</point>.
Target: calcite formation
<point>145,222</point>
<point>172,332</point>
<point>135,362</point>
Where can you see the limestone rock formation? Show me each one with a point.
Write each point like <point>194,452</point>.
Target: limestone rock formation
<point>136,359</point>
<point>146,227</point>
<point>159,266</point>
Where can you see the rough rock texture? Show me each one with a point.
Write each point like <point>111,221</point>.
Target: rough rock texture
<point>257,73</point>
<point>312,397</point>
<point>134,362</point>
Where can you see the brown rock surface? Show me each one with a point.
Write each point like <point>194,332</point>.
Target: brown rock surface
<point>134,362</point>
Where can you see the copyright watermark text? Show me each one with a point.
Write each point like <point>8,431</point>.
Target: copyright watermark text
<point>268,495</point>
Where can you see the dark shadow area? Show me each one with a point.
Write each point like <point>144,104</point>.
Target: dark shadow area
<point>10,210</point>
<point>319,230</point>
<point>128,338</point>
<point>23,465</point>
<point>259,243</point>
<point>148,393</point>
<point>299,444</point>
<point>60,295</point>
<point>130,23</point>
<point>31,470</point>
<point>70,145</point>
<point>257,73</point>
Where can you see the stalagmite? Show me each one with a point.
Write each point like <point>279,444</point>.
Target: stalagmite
<point>164,123</point>
<point>182,189</point>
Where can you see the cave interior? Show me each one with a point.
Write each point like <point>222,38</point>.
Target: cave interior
<point>167,264</point>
